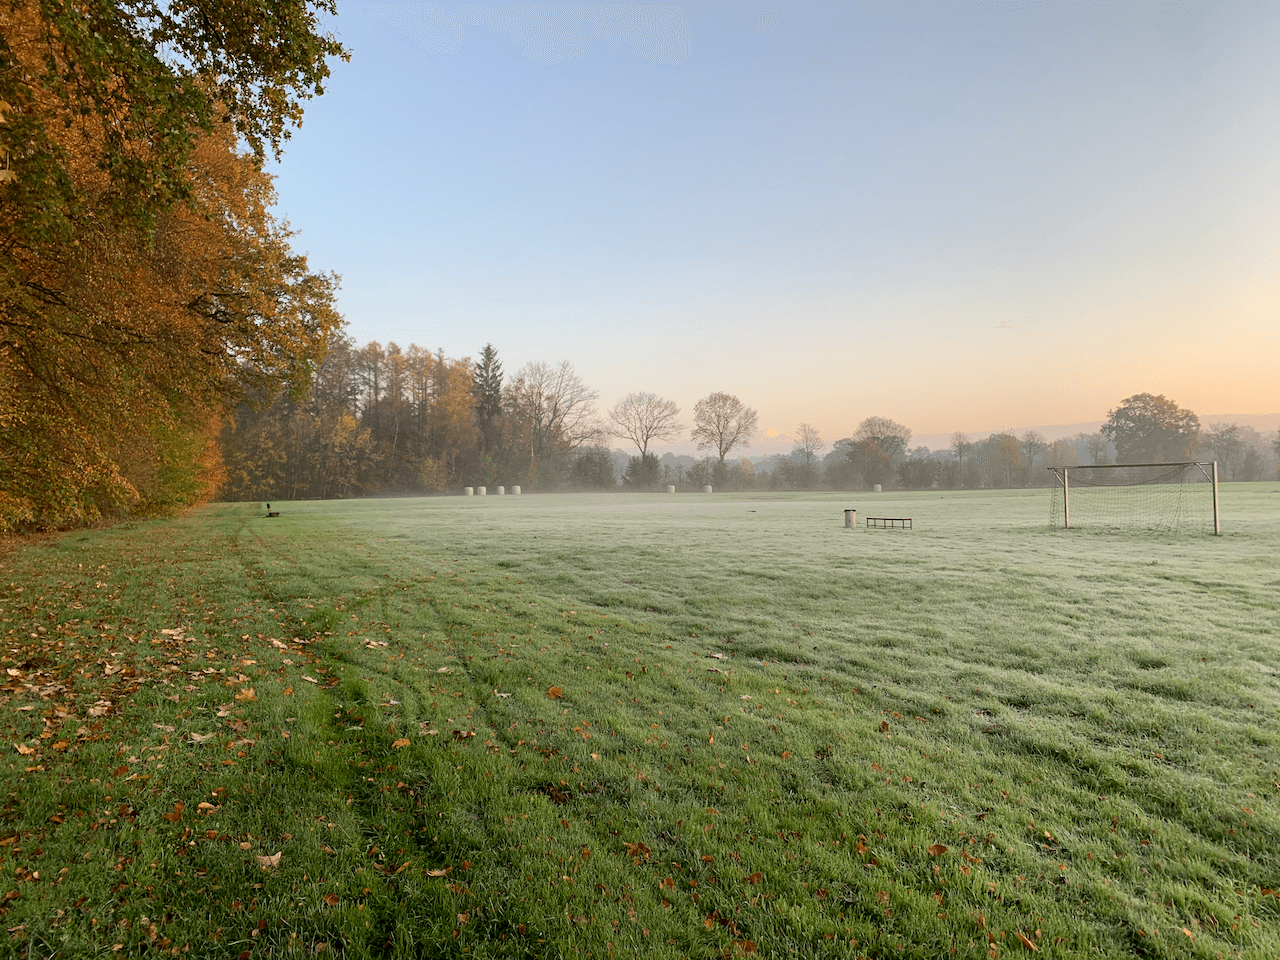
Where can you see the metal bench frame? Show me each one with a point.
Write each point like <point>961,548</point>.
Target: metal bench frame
<point>889,523</point>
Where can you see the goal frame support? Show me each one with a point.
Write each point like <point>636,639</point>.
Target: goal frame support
<point>1208,467</point>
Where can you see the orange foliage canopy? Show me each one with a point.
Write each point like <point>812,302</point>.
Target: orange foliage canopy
<point>132,313</point>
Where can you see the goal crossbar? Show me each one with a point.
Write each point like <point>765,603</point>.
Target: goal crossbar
<point>1170,478</point>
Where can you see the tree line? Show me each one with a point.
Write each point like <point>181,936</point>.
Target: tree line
<point>379,420</point>
<point>387,420</point>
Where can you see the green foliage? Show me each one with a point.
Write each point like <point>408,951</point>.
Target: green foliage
<point>918,473</point>
<point>870,463</point>
<point>793,475</point>
<point>139,84</point>
<point>593,469</point>
<point>642,472</point>
<point>1146,428</point>
<point>488,396</point>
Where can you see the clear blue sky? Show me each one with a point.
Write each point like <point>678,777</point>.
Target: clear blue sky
<point>963,216</point>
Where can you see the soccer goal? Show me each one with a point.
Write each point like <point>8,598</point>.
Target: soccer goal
<point>1170,497</point>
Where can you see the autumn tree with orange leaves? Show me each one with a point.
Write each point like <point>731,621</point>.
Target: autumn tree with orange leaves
<point>144,283</point>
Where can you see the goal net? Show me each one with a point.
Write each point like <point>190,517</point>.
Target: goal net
<point>1166,497</point>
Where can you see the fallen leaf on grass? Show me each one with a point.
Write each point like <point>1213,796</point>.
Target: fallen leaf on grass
<point>754,878</point>
<point>332,899</point>
<point>440,872</point>
<point>400,744</point>
<point>23,749</point>
<point>174,815</point>
<point>1027,943</point>
<point>309,679</point>
<point>247,694</point>
<point>937,849</point>
<point>200,737</point>
<point>271,862</point>
<point>555,693</point>
<point>638,850</point>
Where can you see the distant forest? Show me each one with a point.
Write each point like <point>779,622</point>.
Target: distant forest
<point>378,420</point>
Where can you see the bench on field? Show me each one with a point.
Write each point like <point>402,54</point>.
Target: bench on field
<point>885,523</point>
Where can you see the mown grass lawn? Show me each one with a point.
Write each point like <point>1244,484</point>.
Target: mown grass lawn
<point>656,726</point>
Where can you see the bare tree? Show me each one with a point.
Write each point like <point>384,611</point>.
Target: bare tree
<point>645,417</point>
<point>1097,447</point>
<point>808,442</point>
<point>1033,444</point>
<point>722,422</point>
<point>1224,442</point>
<point>556,408</point>
<point>889,435</point>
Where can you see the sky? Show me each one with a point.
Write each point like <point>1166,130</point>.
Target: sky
<point>970,215</point>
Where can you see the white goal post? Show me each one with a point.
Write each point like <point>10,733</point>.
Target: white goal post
<point>1152,496</point>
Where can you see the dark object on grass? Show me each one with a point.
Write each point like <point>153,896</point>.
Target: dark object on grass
<point>900,523</point>
<point>272,513</point>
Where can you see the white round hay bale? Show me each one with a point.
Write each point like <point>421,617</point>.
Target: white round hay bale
<point>707,488</point>
<point>481,491</point>
<point>468,491</point>
<point>671,488</point>
<point>502,491</point>
<point>516,490</point>
<point>876,488</point>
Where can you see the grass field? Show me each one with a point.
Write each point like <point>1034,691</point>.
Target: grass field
<point>655,726</point>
